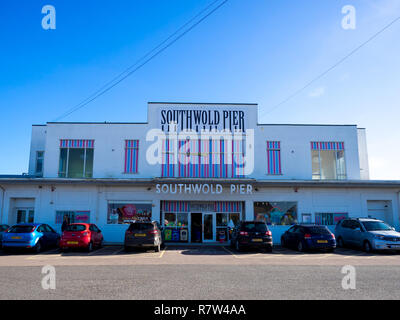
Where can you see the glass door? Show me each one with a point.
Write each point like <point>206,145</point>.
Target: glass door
<point>24,215</point>
<point>208,227</point>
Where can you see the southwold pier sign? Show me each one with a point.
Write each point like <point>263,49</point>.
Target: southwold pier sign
<point>197,119</point>
<point>202,188</point>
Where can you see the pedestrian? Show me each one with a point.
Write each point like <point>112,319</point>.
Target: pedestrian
<point>65,223</point>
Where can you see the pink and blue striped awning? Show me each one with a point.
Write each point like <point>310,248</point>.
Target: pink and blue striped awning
<point>76,143</point>
<point>327,145</point>
<point>175,206</point>
<point>228,206</point>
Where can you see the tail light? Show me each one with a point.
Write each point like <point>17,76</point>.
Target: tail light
<point>268,233</point>
<point>333,236</point>
<point>307,236</point>
<point>244,233</point>
<point>153,231</point>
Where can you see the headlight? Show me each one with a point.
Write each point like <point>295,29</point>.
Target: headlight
<point>379,237</point>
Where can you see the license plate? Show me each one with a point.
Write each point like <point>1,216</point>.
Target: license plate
<point>16,238</point>
<point>322,241</point>
<point>140,234</point>
<point>72,242</point>
<point>257,240</point>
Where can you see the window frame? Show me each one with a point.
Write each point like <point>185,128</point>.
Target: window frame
<point>270,167</point>
<point>39,173</point>
<point>85,158</point>
<point>338,175</point>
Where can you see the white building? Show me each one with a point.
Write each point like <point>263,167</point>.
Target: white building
<point>102,173</point>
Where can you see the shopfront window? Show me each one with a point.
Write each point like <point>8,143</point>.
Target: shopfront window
<point>276,213</point>
<point>176,227</point>
<point>73,216</point>
<point>329,218</point>
<point>125,213</point>
<point>225,223</point>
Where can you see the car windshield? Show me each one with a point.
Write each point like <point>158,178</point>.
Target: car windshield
<point>21,229</point>
<point>141,226</point>
<point>76,227</point>
<point>318,230</point>
<point>255,227</point>
<point>376,226</point>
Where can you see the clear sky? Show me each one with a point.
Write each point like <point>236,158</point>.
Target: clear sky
<point>258,51</point>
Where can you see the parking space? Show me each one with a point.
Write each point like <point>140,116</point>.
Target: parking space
<point>198,255</point>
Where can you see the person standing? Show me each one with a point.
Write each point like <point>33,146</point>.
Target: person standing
<point>65,223</point>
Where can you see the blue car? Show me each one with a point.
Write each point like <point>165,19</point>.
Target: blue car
<point>35,236</point>
<point>3,228</point>
<point>309,237</point>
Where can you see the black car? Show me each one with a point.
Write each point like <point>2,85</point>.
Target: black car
<point>144,235</point>
<point>251,234</point>
<point>308,237</point>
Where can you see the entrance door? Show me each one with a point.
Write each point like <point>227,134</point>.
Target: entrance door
<point>208,227</point>
<point>196,227</point>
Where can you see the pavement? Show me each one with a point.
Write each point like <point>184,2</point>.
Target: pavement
<point>185,272</point>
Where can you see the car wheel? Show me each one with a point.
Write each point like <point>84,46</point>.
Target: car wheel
<point>90,247</point>
<point>268,249</point>
<point>100,244</point>
<point>127,249</point>
<point>300,246</point>
<point>367,247</point>
<point>330,250</point>
<point>38,247</point>
<point>340,242</point>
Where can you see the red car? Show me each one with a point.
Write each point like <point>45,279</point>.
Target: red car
<point>81,235</point>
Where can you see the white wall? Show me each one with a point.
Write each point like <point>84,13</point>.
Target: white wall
<point>94,198</point>
<point>110,139</point>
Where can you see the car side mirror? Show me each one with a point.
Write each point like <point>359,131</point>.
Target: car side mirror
<point>357,229</point>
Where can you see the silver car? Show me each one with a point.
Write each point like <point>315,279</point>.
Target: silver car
<point>367,233</point>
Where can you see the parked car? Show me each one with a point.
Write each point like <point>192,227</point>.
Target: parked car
<point>144,234</point>
<point>251,234</point>
<point>81,235</point>
<point>3,228</point>
<point>36,236</point>
<point>368,234</point>
<point>309,237</point>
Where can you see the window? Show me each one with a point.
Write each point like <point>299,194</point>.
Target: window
<point>25,215</point>
<point>39,163</point>
<point>276,213</point>
<point>73,216</point>
<point>168,159</point>
<point>131,156</point>
<point>125,213</point>
<point>274,157</point>
<point>328,162</point>
<point>329,218</point>
<point>76,159</point>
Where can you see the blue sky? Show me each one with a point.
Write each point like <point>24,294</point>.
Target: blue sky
<point>248,51</point>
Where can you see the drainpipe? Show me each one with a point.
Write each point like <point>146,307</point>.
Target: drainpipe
<point>2,203</point>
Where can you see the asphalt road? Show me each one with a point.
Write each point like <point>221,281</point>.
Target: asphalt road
<point>199,273</point>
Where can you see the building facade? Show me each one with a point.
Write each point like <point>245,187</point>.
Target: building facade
<point>197,169</point>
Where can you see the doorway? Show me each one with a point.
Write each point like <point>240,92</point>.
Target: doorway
<point>196,227</point>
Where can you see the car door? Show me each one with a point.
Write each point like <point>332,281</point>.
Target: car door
<point>53,235</point>
<point>94,234</point>
<point>291,236</point>
<point>44,238</point>
<point>357,234</point>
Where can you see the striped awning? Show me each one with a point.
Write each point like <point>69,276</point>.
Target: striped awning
<point>228,206</point>
<point>327,145</point>
<point>80,143</point>
<point>175,206</point>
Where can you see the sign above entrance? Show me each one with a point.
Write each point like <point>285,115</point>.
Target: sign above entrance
<point>204,118</point>
<point>202,188</point>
